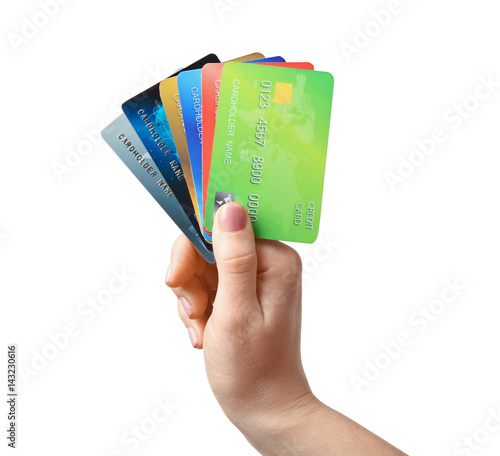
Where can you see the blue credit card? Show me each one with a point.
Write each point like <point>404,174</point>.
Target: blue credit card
<point>122,138</point>
<point>189,84</point>
<point>147,116</point>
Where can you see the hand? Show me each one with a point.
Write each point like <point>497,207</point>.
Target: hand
<point>245,312</point>
<point>246,315</point>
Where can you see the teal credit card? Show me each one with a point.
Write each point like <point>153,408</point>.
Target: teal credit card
<point>270,146</point>
<point>122,138</point>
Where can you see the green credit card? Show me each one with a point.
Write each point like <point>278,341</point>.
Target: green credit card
<point>270,144</point>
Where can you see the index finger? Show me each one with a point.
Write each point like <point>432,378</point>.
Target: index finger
<point>185,262</point>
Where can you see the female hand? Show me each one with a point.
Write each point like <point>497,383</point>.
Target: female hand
<point>245,312</point>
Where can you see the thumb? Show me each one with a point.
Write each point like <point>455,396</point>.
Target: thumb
<point>234,249</point>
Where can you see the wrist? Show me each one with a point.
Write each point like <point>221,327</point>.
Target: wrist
<point>307,427</point>
<point>278,426</point>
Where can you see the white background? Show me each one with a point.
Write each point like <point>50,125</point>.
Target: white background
<point>390,251</point>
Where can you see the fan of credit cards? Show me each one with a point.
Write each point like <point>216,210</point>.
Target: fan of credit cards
<point>252,130</point>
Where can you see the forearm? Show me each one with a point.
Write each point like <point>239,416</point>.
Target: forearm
<point>313,429</point>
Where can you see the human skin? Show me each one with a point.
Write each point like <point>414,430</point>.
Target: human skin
<point>245,313</point>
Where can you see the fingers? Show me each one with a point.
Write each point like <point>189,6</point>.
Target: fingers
<point>194,282</point>
<point>195,327</point>
<point>185,261</point>
<point>236,258</point>
<point>190,277</point>
<point>245,287</point>
<point>193,295</point>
